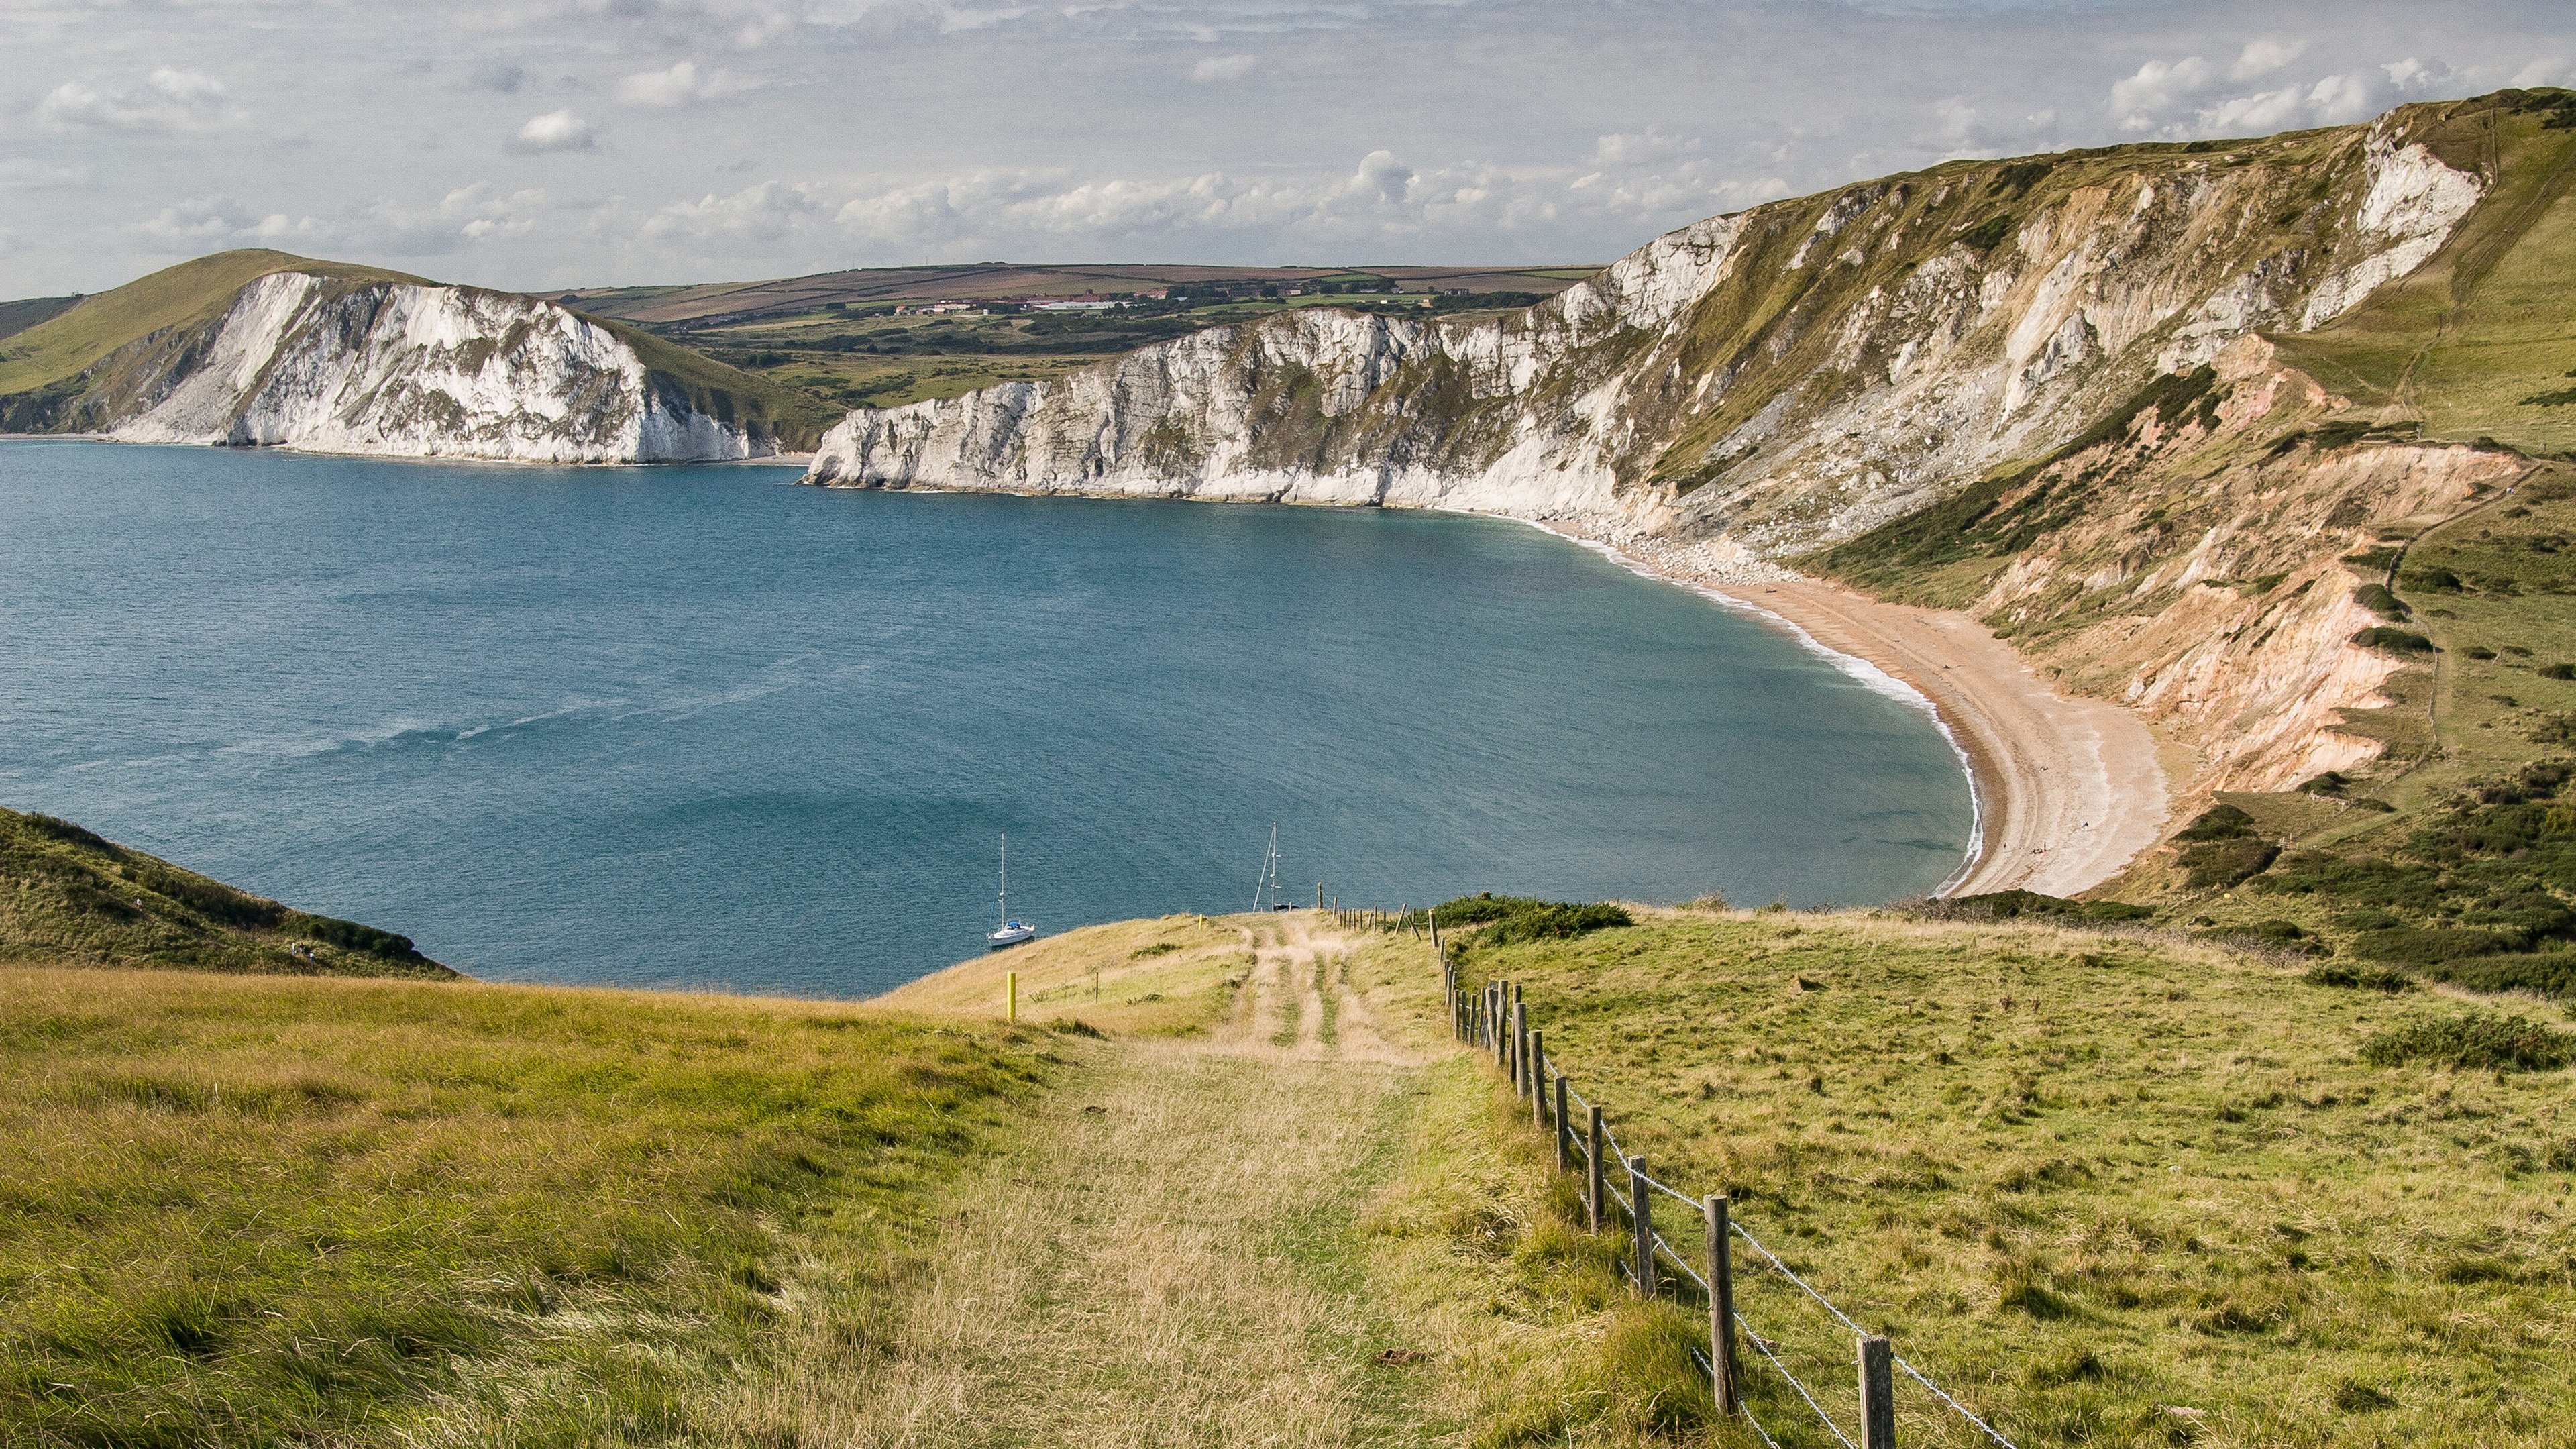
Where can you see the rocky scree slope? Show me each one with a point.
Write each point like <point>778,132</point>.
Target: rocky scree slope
<point>263,349</point>
<point>1757,389</point>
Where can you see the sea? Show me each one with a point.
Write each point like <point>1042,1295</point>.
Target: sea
<point>698,727</point>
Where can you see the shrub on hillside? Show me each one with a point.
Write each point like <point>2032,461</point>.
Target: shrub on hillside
<point>2472,1043</point>
<point>2546,973</point>
<point>2378,600</point>
<point>2394,641</point>
<point>2015,904</point>
<point>351,936</point>
<point>1552,921</point>
<point>2219,864</point>
<point>1522,918</point>
<point>2358,978</point>
<point>2219,822</point>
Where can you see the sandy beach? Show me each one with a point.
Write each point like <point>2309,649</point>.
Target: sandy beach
<point>2068,790</point>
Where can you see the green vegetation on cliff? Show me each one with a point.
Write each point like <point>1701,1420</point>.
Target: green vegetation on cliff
<point>68,897</point>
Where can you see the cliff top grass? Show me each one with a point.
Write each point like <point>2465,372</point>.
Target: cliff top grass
<point>2479,341</point>
<point>69,897</point>
<point>187,295</point>
<point>2111,1189</point>
<point>262,1210</point>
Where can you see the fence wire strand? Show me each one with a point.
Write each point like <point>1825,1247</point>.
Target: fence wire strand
<point>1959,1408</point>
<point>1764,1349</point>
<point>1614,1155</point>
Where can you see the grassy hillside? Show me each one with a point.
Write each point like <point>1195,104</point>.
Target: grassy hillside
<point>68,897</point>
<point>1173,977</point>
<point>2480,341</point>
<point>2117,1189</point>
<point>26,312</point>
<point>47,360</point>
<point>250,1210</point>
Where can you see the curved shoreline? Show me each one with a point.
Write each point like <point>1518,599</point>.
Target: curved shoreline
<point>2066,791</point>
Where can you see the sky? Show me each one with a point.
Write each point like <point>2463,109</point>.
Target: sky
<point>621,142</point>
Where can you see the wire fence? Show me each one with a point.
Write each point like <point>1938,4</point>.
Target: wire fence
<point>1495,1019</point>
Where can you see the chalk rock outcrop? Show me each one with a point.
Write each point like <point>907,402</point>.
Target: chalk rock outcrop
<point>304,361</point>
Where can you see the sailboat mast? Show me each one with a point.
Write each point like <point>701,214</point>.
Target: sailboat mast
<point>1002,897</point>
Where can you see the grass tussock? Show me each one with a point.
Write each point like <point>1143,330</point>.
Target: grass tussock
<point>2106,1189</point>
<point>260,1210</point>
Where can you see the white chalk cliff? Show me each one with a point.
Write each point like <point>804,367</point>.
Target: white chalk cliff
<point>1760,383</point>
<point>1760,386</point>
<point>404,370</point>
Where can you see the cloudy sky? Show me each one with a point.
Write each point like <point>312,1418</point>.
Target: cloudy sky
<point>538,145</point>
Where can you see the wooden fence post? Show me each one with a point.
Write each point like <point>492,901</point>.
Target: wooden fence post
<point>1010,996</point>
<point>1642,1217</point>
<point>1564,1130</point>
<point>1721,1306</point>
<point>1538,1080</point>
<point>1593,1176</point>
<point>1877,1395</point>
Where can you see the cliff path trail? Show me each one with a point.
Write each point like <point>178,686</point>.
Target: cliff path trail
<point>1172,1255</point>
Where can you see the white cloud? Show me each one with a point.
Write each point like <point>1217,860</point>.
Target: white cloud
<point>2552,71</point>
<point>556,131</point>
<point>2155,89</point>
<point>2262,57</point>
<point>1222,68</point>
<point>2188,99</point>
<point>760,213</point>
<point>678,86</point>
<point>220,221</point>
<point>20,171</point>
<point>169,100</point>
<point>1648,147</point>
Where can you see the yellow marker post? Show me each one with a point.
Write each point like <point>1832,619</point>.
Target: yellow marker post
<point>1010,996</point>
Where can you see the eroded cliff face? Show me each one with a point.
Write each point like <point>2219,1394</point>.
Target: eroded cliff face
<point>1781,378</point>
<point>1761,387</point>
<point>2219,595</point>
<point>304,361</point>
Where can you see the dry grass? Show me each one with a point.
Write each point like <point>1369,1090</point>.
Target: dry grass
<point>2115,1190</point>
<point>1170,977</point>
<point>1254,1236</point>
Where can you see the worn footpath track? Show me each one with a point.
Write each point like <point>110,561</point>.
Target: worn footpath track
<point>1171,1257</point>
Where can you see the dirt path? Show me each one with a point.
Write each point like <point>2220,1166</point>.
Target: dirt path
<point>1167,1258</point>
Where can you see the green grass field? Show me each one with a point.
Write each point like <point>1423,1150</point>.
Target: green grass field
<point>2110,1189</point>
<point>246,1210</point>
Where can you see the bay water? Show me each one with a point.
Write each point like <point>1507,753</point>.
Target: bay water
<point>700,727</point>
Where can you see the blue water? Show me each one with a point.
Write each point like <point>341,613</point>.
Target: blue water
<point>691,726</point>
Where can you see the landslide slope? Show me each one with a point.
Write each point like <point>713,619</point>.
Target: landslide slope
<point>259,348</point>
<point>71,898</point>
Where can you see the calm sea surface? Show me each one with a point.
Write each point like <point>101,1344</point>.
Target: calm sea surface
<point>691,726</point>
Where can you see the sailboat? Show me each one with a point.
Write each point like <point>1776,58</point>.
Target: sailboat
<point>1010,932</point>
